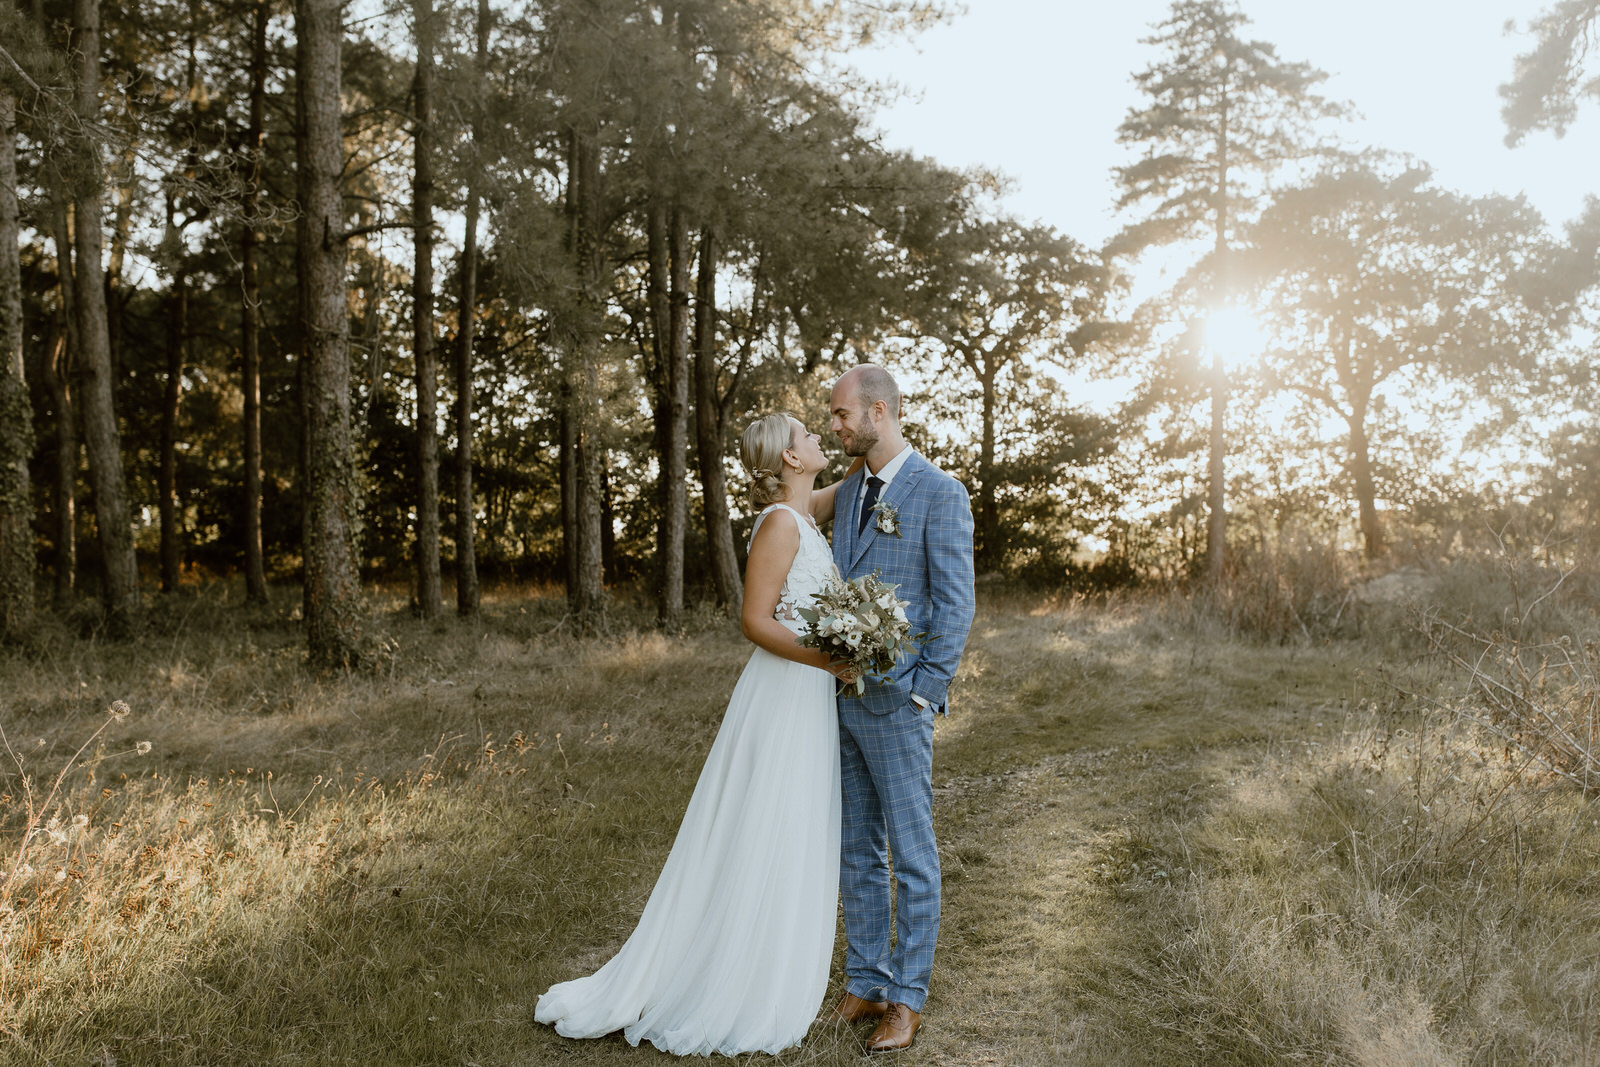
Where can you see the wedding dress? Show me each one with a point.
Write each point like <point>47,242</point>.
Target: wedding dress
<point>732,952</point>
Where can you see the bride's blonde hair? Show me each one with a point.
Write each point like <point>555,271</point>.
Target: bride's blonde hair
<point>762,449</point>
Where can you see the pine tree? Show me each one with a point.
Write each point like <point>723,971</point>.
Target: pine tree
<point>334,610</point>
<point>1222,113</point>
<point>16,416</point>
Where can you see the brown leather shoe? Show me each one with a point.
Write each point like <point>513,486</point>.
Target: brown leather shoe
<point>897,1031</point>
<point>852,1009</point>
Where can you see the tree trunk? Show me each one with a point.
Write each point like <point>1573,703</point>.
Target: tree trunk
<point>608,526</point>
<point>708,431</point>
<point>332,578</point>
<point>568,413</point>
<point>1217,489</point>
<point>1216,498</point>
<point>16,415</point>
<point>586,596</point>
<point>990,551</point>
<point>94,358</point>
<point>57,369</point>
<point>423,351</point>
<point>658,278</point>
<point>568,420</point>
<point>167,476</point>
<point>250,238</point>
<point>676,460</point>
<point>467,593</point>
<point>1366,490</point>
<point>669,305</point>
<point>589,610</point>
<point>177,339</point>
<point>118,295</point>
<point>467,590</point>
<point>59,376</point>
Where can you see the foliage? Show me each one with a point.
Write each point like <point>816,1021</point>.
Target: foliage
<point>1376,282</point>
<point>996,301</point>
<point>1549,81</point>
<point>1223,113</point>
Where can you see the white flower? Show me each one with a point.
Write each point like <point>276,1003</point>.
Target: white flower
<point>870,620</point>
<point>80,821</point>
<point>853,639</point>
<point>143,748</point>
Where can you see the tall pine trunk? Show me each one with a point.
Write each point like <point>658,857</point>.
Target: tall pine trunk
<point>467,593</point>
<point>56,371</point>
<point>583,453</point>
<point>676,461</point>
<point>57,374</point>
<point>59,377</point>
<point>16,415</point>
<point>1217,475</point>
<point>172,394</point>
<point>334,611</point>
<point>423,350</point>
<point>567,421</point>
<point>668,253</point>
<point>118,294</point>
<point>250,238</point>
<point>93,359</point>
<point>708,431</point>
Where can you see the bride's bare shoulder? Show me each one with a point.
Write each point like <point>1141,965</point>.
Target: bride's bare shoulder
<point>776,524</point>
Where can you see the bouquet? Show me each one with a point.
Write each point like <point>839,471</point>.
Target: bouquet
<point>861,621</point>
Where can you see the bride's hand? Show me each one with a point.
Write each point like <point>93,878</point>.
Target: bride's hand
<point>845,671</point>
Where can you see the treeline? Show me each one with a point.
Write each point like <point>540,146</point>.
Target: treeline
<point>350,290</point>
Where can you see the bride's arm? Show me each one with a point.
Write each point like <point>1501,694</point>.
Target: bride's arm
<point>771,554</point>
<point>822,499</point>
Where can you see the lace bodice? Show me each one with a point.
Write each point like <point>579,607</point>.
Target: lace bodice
<point>812,567</point>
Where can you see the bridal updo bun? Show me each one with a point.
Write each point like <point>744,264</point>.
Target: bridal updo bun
<point>762,451</point>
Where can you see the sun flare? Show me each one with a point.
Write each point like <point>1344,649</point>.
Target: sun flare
<point>1234,335</point>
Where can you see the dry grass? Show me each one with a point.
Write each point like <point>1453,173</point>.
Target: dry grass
<point>1162,843</point>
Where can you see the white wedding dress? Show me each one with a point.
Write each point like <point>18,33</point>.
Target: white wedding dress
<point>732,952</point>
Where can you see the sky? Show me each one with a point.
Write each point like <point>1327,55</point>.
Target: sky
<point>1036,89</point>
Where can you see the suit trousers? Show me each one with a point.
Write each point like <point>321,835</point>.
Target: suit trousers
<point>886,765</point>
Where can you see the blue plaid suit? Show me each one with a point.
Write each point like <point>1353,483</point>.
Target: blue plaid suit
<point>886,740</point>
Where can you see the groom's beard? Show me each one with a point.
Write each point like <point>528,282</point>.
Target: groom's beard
<point>861,442</point>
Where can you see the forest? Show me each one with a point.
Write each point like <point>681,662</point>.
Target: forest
<point>336,296</point>
<point>372,531</point>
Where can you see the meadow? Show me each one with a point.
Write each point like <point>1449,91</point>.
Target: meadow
<point>1169,836</point>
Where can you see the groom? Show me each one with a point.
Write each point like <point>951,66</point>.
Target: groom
<point>906,519</point>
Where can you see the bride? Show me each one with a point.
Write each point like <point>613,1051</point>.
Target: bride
<point>732,952</point>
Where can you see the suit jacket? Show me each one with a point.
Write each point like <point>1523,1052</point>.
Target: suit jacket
<point>931,563</point>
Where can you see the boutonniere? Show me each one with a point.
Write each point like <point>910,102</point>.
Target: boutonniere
<point>886,518</point>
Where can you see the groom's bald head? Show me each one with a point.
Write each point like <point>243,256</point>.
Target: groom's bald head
<point>866,413</point>
<point>871,384</point>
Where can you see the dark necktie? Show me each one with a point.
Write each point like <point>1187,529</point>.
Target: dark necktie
<point>874,483</point>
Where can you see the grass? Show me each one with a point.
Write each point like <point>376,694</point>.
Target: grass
<point>1162,843</point>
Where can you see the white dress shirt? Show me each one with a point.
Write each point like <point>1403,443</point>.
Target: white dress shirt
<point>886,475</point>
